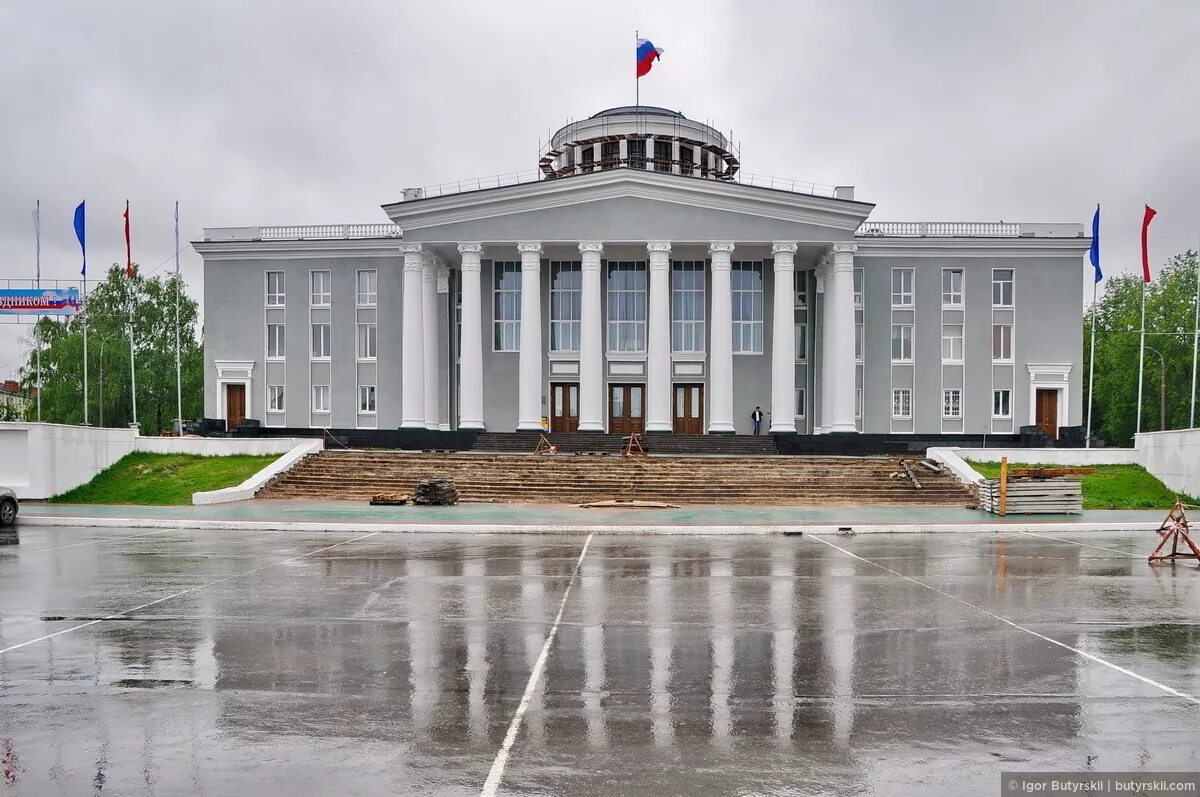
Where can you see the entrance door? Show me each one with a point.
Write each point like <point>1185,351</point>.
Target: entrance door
<point>564,407</point>
<point>235,405</point>
<point>689,409</point>
<point>1047,412</point>
<point>625,409</point>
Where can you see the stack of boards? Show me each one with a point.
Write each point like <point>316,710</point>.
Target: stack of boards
<point>1033,496</point>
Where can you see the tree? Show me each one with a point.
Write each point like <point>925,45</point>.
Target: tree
<point>111,307</point>
<point>1170,323</point>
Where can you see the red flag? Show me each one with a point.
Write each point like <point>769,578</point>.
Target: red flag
<point>129,257</point>
<point>1150,213</point>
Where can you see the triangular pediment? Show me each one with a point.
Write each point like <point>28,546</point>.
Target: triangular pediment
<point>629,205</point>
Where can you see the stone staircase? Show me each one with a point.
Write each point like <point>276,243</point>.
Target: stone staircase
<point>658,444</point>
<point>565,479</point>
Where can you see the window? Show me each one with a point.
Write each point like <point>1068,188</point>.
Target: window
<point>662,156</point>
<point>275,398</point>
<point>1001,403</point>
<point>367,292</point>
<point>746,279</point>
<point>366,341</point>
<point>687,306</point>
<point>858,315</point>
<point>801,282</point>
<point>587,158</point>
<point>320,398</point>
<point>275,295</point>
<point>902,403</point>
<point>610,154</point>
<point>902,343</point>
<point>952,286</point>
<point>366,398</point>
<point>687,159</point>
<point>952,403</point>
<point>952,342</point>
<point>275,341</point>
<point>902,287</point>
<point>1002,342</point>
<point>1002,287</point>
<point>566,305</point>
<point>321,289</point>
<point>801,323</point>
<point>320,341</point>
<point>857,403</point>
<point>636,150</point>
<point>801,401</point>
<point>506,297</point>
<point>627,306</point>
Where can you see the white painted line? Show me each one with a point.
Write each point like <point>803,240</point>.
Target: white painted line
<point>181,594</point>
<point>1084,544</point>
<point>497,772</point>
<point>1006,621</point>
<point>96,542</point>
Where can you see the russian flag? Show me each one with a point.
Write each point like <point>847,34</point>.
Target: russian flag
<point>646,53</point>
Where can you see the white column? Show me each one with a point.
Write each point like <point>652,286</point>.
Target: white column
<point>824,390</point>
<point>783,340</point>
<point>591,346</point>
<point>429,317</point>
<point>720,337</point>
<point>658,339</point>
<point>838,363</point>
<point>470,378</point>
<point>529,389</point>
<point>412,353</point>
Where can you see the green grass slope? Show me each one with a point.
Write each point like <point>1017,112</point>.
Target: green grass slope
<point>1110,487</point>
<point>163,479</point>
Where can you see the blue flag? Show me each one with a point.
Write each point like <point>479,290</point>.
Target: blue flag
<point>80,236</point>
<point>1094,254</point>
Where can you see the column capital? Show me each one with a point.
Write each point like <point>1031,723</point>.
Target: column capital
<point>658,246</point>
<point>715,247</point>
<point>470,248</point>
<point>591,246</point>
<point>845,249</point>
<point>471,255</point>
<point>784,247</point>
<point>529,247</point>
<point>443,279</point>
<point>410,249</point>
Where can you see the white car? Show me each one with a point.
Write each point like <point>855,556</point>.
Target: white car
<point>8,507</point>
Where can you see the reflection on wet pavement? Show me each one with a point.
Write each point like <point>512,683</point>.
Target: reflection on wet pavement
<point>681,665</point>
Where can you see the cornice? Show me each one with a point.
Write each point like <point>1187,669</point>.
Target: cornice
<point>296,250</point>
<point>971,247</point>
<point>839,214</point>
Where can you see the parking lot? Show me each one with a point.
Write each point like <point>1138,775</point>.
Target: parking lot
<point>166,662</point>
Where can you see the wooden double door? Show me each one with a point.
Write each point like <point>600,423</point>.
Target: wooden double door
<point>564,407</point>
<point>626,409</point>
<point>1046,411</point>
<point>235,405</point>
<point>688,402</point>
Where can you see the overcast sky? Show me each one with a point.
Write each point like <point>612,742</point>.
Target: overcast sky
<point>290,112</point>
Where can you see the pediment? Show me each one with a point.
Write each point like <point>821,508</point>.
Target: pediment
<point>628,205</point>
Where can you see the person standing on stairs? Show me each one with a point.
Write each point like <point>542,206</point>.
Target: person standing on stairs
<point>757,417</point>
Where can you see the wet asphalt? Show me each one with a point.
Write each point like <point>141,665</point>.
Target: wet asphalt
<point>293,664</point>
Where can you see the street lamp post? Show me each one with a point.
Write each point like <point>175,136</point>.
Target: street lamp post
<point>1162,389</point>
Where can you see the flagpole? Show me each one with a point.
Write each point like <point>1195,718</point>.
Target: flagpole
<point>1141,360</point>
<point>37,327</point>
<point>1091,369</point>
<point>637,84</point>
<point>1195,344</point>
<point>132,309</point>
<point>80,227</point>
<point>178,361</point>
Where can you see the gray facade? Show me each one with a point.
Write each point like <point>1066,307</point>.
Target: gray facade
<point>953,386</point>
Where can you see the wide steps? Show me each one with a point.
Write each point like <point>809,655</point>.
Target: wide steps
<point>358,475</point>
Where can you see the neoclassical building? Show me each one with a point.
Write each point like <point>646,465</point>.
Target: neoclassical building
<point>638,280</point>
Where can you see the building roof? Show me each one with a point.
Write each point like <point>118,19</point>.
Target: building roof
<point>650,110</point>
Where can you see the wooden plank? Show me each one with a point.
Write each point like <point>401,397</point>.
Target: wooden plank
<point>1003,485</point>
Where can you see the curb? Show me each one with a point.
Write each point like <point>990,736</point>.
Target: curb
<point>677,530</point>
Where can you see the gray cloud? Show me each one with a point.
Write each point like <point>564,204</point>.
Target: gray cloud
<point>301,112</point>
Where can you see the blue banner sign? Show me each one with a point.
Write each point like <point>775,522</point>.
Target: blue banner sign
<point>39,301</point>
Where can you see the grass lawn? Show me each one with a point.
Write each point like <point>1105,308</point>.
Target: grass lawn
<point>163,479</point>
<point>1110,487</point>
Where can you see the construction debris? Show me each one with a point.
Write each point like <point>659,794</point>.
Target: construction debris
<point>906,472</point>
<point>436,492</point>
<point>389,499</point>
<point>628,503</point>
<point>1032,497</point>
<point>931,465</point>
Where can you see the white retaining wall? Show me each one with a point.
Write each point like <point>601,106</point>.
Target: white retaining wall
<point>1053,456</point>
<point>1174,457</point>
<point>217,446</point>
<point>249,488</point>
<point>40,460</point>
